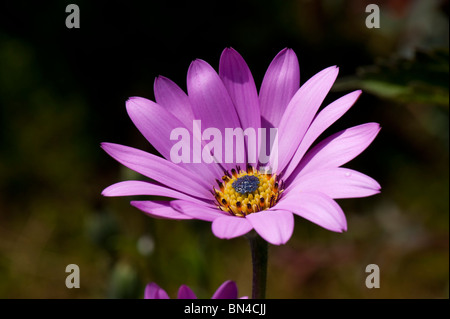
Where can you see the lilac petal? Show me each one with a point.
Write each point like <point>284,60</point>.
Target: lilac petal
<point>157,124</point>
<point>154,122</point>
<point>336,183</point>
<point>132,188</point>
<point>323,120</point>
<point>151,204</point>
<point>227,227</point>
<point>276,227</point>
<point>227,290</point>
<point>153,291</point>
<point>159,169</point>
<point>339,148</point>
<point>299,115</point>
<point>315,207</point>
<point>186,293</point>
<point>211,102</point>
<point>281,81</point>
<point>159,210</point>
<point>197,211</point>
<point>171,97</point>
<point>238,80</point>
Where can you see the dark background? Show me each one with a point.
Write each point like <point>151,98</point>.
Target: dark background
<point>63,91</point>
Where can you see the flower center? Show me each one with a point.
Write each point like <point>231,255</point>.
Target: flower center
<point>246,184</point>
<point>244,192</point>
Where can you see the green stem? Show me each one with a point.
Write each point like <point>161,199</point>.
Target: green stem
<point>259,248</point>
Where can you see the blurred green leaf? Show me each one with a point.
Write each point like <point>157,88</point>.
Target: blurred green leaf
<point>124,282</point>
<point>423,79</point>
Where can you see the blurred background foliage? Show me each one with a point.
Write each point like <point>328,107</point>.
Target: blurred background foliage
<point>62,92</point>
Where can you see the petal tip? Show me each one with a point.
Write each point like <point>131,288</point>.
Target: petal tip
<point>286,53</point>
<point>196,63</point>
<point>133,99</point>
<point>105,146</point>
<point>286,50</point>
<point>134,103</point>
<point>105,192</point>
<point>229,50</point>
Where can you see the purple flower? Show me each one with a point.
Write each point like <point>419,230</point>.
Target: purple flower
<point>227,290</point>
<point>240,195</point>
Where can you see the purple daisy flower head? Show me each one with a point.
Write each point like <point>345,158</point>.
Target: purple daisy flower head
<point>227,290</point>
<point>245,160</point>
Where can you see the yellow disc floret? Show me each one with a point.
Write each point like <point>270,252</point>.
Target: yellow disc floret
<point>244,192</point>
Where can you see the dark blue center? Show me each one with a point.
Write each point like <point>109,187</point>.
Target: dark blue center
<point>246,184</point>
